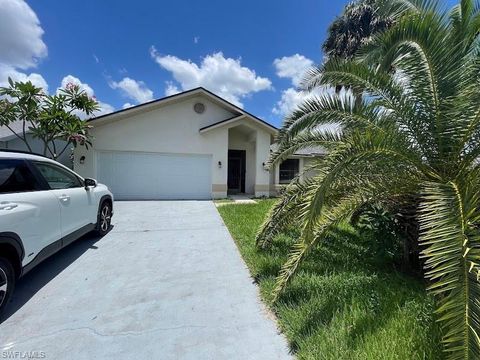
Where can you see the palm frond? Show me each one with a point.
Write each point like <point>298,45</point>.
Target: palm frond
<point>285,212</point>
<point>448,218</point>
<point>328,109</point>
<point>315,231</point>
<point>396,9</point>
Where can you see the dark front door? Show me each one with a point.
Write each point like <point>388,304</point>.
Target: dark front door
<point>236,171</point>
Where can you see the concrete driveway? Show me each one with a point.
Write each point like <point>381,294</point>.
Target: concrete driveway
<point>166,283</point>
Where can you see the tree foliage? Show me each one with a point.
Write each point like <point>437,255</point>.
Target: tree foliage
<point>354,28</point>
<point>415,134</point>
<point>46,117</point>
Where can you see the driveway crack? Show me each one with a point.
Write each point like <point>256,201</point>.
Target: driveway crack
<point>98,333</point>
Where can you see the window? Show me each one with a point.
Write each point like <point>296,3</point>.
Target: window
<point>288,170</point>
<point>15,176</point>
<point>58,178</point>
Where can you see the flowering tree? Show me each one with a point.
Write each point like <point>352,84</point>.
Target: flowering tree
<point>47,117</point>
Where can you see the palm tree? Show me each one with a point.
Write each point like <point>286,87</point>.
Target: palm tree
<point>354,28</point>
<point>416,133</point>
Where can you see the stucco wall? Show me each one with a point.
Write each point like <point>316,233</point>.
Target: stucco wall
<point>307,162</point>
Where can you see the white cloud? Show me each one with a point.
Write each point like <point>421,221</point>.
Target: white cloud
<point>104,107</point>
<point>21,43</point>
<point>171,89</point>
<point>196,39</point>
<point>22,48</point>
<point>20,35</point>
<point>289,101</point>
<point>133,89</point>
<point>293,67</point>
<point>127,105</point>
<point>224,76</point>
<point>7,71</point>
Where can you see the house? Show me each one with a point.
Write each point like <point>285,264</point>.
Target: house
<point>192,145</point>
<point>10,141</point>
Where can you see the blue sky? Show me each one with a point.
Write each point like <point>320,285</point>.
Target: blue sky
<point>125,52</point>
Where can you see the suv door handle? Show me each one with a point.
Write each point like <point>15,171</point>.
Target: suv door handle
<point>64,198</point>
<point>7,206</point>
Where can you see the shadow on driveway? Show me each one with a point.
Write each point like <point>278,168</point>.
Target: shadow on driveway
<point>28,285</point>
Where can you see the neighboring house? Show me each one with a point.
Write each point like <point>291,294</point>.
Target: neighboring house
<point>192,145</point>
<point>8,140</point>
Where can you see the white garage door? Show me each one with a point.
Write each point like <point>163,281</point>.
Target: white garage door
<point>151,176</point>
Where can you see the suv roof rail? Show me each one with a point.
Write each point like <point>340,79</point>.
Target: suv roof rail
<point>22,152</point>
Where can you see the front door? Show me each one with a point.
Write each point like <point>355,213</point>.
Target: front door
<point>236,171</point>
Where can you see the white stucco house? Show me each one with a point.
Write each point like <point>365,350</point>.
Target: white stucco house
<point>192,145</point>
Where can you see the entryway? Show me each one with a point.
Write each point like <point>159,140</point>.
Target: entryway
<point>236,171</point>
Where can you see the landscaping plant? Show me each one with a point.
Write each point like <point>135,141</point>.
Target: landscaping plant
<point>47,117</point>
<point>414,134</point>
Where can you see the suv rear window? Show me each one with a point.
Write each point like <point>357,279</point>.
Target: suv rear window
<point>15,176</point>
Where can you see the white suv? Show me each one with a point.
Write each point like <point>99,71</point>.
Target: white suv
<point>44,206</point>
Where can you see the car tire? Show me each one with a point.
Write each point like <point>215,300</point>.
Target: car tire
<point>104,218</point>
<point>7,282</point>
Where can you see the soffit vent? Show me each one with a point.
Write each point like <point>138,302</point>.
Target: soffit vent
<point>199,108</point>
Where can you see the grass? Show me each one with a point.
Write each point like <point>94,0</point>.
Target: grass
<point>346,302</point>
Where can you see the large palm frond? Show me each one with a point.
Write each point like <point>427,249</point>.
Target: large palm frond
<point>449,220</point>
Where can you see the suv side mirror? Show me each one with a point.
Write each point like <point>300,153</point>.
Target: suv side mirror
<point>90,183</point>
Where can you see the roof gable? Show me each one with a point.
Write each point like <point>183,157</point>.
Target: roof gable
<point>152,105</point>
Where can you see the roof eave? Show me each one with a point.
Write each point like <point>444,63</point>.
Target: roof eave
<point>228,122</point>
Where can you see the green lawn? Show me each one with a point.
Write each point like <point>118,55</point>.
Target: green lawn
<point>345,303</point>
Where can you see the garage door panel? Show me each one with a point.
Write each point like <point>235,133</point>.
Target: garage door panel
<point>139,176</point>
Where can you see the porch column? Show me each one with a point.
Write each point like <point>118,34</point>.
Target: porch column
<point>301,165</point>
<point>276,179</point>
<point>220,165</point>
<point>262,176</point>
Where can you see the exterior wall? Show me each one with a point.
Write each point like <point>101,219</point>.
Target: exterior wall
<point>306,163</point>
<point>170,129</point>
<point>37,147</point>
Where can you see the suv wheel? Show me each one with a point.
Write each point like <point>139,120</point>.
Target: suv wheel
<point>7,282</point>
<point>104,218</point>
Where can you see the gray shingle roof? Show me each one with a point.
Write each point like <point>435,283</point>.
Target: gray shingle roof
<point>310,151</point>
<point>6,134</point>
